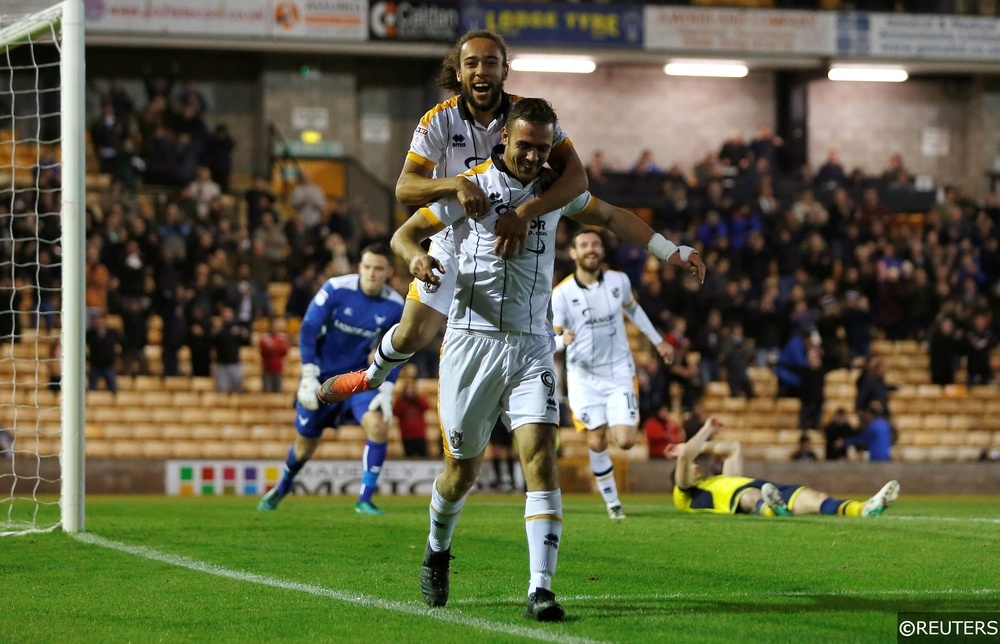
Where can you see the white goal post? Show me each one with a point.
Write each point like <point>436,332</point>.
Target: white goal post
<point>42,447</point>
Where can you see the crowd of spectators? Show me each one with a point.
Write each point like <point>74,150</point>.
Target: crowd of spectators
<point>805,267</point>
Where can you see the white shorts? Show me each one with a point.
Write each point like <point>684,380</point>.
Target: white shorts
<point>490,375</point>
<point>596,402</point>
<point>438,298</point>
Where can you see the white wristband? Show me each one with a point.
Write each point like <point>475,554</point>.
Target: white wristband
<point>661,247</point>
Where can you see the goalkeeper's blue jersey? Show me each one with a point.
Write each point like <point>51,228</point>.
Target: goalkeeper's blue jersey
<point>342,325</point>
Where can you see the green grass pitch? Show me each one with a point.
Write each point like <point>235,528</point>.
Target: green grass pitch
<point>215,569</point>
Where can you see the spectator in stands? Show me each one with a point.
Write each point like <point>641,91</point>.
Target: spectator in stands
<point>662,433</point>
<point>188,148</point>
<point>875,435</point>
<point>812,390</point>
<point>792,362</point>
<point>199,341</point>
<point>273,347</point>
<point>259,199</point>
<point>708,343</point>
<point>106,135</point>
<point>872,387</point>
<point>174,331</point>
<point>857,319</point>
<point>645,164</point>
<point>228,335</point>
<point>595,169</point>
<point>130,167</point>
<point>831,175</point>
<point>248,302</point>
<point>736,355</point>
<point>804,451</point>
<point>97,279</point>
<point>409,408</point>
<point>712,231</point>
<point>734,150</point>
<point>895,169</point>
<point>980,342</point>
<point>6,444</point>
<point>808,211</point>
<point>836,431</point>
<point>652,383</point>
<point>767,145</point>
<point>162,157</point>
<point>218,155</point>
<point>203,190</point>
<point>681,371</point>
<point>135,334</point>
<point>944,348</point>
<point>308,200</point>
<point>873,212</point>
<point>174,232</point>
<point>104,348</point>
<point>274,242</point>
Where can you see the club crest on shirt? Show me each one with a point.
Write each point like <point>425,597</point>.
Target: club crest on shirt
<point>456,437</point>
<point>615,291</point>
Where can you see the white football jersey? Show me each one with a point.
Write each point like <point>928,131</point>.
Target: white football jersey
<point>493,294</point>
<point>450,141</point>
<point>595,313</point>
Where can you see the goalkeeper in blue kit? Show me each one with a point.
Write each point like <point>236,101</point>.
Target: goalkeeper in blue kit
<point>341,327</point>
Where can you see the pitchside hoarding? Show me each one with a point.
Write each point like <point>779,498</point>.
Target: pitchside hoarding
<point>579,25</point>
<point>254,478</point>
<point>414,21</point>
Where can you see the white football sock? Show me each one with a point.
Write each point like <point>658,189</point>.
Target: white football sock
<point>444,517</point>
<point>543,523</point>
<point>604,472</point>
<point>386,359</point>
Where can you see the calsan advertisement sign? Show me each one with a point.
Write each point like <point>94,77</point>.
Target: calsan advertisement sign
<point>414,21</point>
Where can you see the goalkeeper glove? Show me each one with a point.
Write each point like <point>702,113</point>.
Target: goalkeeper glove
<point>309,386</point>
<point>383,400</point>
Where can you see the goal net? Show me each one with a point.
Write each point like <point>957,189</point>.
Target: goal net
<point>41,267</point>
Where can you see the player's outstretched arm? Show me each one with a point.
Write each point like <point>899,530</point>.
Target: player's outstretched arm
<point>686,453</point>
<point>732,452</point>
<point>416,187</point>
<point>406,244</point>
<point>627,227</point>
<point>645,325</point>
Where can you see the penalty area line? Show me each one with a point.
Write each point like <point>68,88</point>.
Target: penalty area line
<point>332,593</point>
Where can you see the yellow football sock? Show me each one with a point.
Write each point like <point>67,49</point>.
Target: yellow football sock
<point>851,508</point>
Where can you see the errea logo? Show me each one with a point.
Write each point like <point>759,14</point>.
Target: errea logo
<point>494,197</point>
<point>458,141</point>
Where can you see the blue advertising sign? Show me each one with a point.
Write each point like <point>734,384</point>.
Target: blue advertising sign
<point>558,24</point>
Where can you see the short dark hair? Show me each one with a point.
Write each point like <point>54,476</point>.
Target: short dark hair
<point>377,248</point>
<point>585,230</point>
<point>536,111</point>
<point>448,77</point>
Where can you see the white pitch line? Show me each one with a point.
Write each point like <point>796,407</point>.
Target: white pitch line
<point>754,594</point>
<point>338,595</point>
<point>958,519</point>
